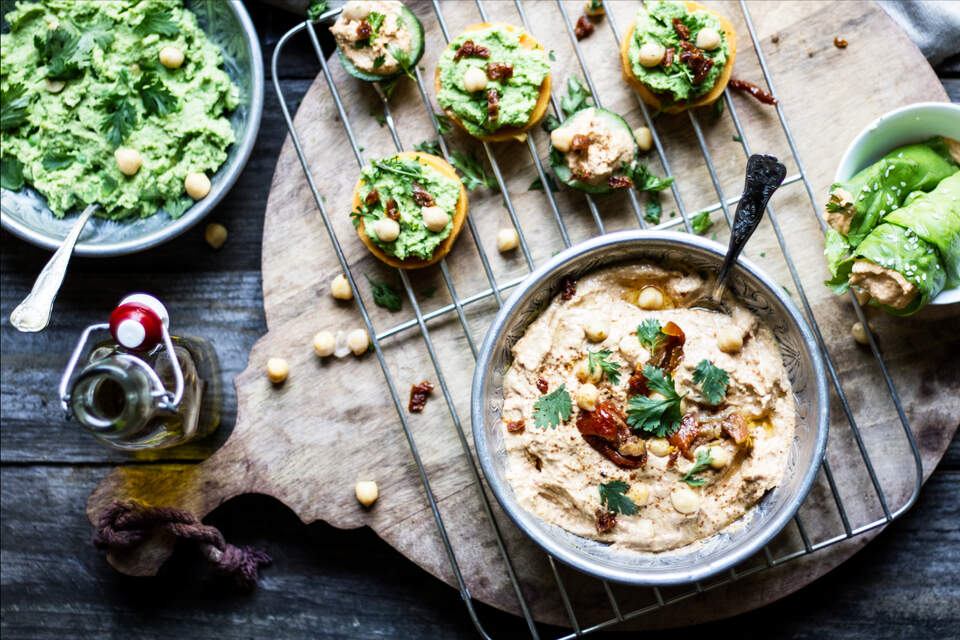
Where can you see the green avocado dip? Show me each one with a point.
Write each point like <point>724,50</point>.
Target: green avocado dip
<point>517,95</point>
<point>405,186</point>
<point>81,79</point>
<point>655,24</point>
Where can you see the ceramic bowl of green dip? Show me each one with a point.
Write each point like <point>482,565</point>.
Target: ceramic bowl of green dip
<point>26,214</point>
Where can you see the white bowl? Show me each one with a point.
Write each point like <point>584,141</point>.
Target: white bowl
<point>913,123</point>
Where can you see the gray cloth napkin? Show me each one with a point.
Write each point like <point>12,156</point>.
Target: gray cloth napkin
<point>934,25</point>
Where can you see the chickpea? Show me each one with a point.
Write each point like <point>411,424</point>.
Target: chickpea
<point>632,446</point>
<point>685,500</point>
<point>658,447</point>
<point>560,138</point>
<point>650,298</point>
<point>719,456</point>
<point>639,493</point>
<point>54,86</point>
<point>215,234</point>
<point>863,297</point>
<point>435,218</point>
<point>340,288</point>
<point>358,341</point>
<point>277,370</point>
<point>507,239</point>
<point>128,160</point>
<point>197,185</point>
<point>367,492</point>
<point>651,54</point>
<point>583,373</point>
<point>324,344</point>
<point>708,39</point>
<point>593,8</point>
<point>386,229</point>
<point>729,339</point>
<point>587,397</point>
<point>355,10</point>
<point>860,333</point>
<point>171,57</point>
<point>644,138</point>
<point>474,79</point>
<point>597,330</point>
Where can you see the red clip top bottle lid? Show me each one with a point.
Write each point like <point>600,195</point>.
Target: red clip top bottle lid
<point>138,321</point>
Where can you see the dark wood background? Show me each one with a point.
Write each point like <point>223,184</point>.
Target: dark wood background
<point>324,582</point>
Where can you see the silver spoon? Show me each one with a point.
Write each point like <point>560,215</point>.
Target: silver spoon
<point>33,314</point>
<point>764,175</point>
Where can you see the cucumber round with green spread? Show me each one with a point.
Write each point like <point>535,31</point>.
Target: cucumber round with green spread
<point>618,128</point>
<point>413,25</point>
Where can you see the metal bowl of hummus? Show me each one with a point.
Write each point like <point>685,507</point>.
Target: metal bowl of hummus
<point>28,214</point>
<point>635,437</point>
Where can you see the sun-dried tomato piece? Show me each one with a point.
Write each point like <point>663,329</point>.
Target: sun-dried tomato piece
<point>568,288</point>
<point>668,57</point>
<point>672,460</point>
<point>364,30</point>
<point>470,50</point>
<point>418,396</point>
<point>372,198</point>
<point>683,437</point>
<point>580,142</point>
<point>619,182</point>
<point>393,212</point>
<point>583,28</point>
<point>542,385</point>
<point>606,431</point>
<point>515,426</point>
<point>839,43</point>
<point>580,175</point>
<point>499,71</point>
<point>605,520</point>
<point>736,427</point>
<point>638,384</point>
<point>669,351</point>
<point>421,197</point>
<point>698,63</point>
<point>754,90</point>
<point>683,32</point>
<point>493,104</point>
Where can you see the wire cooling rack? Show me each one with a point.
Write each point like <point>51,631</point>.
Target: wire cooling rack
<point>496,290</point>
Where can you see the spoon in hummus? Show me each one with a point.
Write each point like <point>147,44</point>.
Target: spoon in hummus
<point>33,314</point>
<point>764,175</point>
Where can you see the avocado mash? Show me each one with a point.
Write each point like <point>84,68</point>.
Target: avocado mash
<point>82,79</point>
<point>655,24</point>
<point>403,181</point>
<point>517,92</point>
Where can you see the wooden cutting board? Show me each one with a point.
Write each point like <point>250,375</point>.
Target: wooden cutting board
<point>332,423</point>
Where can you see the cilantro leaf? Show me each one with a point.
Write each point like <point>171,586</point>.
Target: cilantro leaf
<point>11,173</point>
<point>700,464</point>
<point>537,184</point>
<point>613,497</point>
<point>15,102</point>
<point>654,209</point>
<point>157,99</point>
<point>577,97</point>
<point>645,180</point>
<point>384,295</point>
<point>552,409</point>
<point>444,125</point>
<point>317,8</point>
<point>713,381</point>
<point>550,123</point>
<point>403,59</point>
<point>375,20</point>
<point>701,222</point>
<point>428,146</point>
<point>649,333</point>
<point>54,160</point>
<point>653,415</point>
<point>157,20</point>
<point>119,119</point>
<point>717,109</point>
<point>378,61</point>
<point>176,207</point>
<point>429,291</point>
<point>472,171</point>
<point>57,50</point>
<point>599,359</point>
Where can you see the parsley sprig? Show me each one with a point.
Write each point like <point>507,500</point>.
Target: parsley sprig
<point>701,222</point>
<point>700,464</point>
<point>473,172</point>
<point>403,59</point>
<point>650,333</point>
<point>58,50</point>
<point>713,381</point>
<point>384,295</point>
<point>613,496</point>
<point>577,97</point>
<point>654,416</point>
<point>646,180</point>
<point>120,117</point>
<point>428,146</point>
<point>398,167</point>
<point>157,99</point>
<point>11,173</point>
<point>15,101</point>
<point>157,20</point>
<point>552,409</point>
<point>599,359</point>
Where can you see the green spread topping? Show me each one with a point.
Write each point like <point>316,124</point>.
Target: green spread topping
<point>517,95</point>
<point>61,138</point>
<point>655,24</point>
<point>399,179</point>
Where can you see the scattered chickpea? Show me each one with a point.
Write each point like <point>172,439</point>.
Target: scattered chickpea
<point>685,500</point>
<point>474,79</point>
<point>54,86</point>
<point>632,446</point>
<point>435,218</point>
<point>658,446</point>
<point>597,331</point>
<point>340,288</point>
<point>560,138</point>
<point>651,54</point>
<point>277,370</point>
<point>358,341</point>
<point>587,397</point>
<point>355,10</point>
<point>367,492</point>
<point>729,339</point>
<point>583,373</point>
<point>859,333</point>
<point>593,8</point>
<point>324,343</point>
<point>171,57</point>
<point>507,240</point>
<point>386,229</point>
<point>128,160</point>
<point>708,39</point>
<point>650,298</point>
<point>719,456</point>
<point>644,138</point>
<point>197,185</point>
<point>215,234</point>
<point>639,493</point>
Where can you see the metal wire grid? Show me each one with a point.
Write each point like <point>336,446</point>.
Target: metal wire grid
<point>496,291</point>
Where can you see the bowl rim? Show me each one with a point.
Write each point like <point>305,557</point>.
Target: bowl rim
<point>876,128</point>
<point>571,556</point>
<point>198,211</point>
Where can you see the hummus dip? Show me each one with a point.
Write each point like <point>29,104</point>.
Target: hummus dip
<point>604,472</point>
<point>370,32</point>
<point>593,149</point>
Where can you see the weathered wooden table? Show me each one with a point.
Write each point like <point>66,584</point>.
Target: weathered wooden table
<point>324,582</point>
